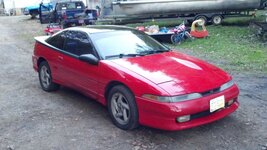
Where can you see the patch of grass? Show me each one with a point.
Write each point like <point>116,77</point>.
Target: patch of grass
<point>242,21</point>
<point>230,47</point>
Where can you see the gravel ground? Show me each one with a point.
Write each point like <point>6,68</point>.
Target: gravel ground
<point>32,119</point>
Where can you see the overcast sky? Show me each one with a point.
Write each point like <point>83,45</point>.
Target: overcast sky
<point>24,3</point>
<point>21,3</point>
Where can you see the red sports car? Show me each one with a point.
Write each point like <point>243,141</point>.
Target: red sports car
<point>139,80</point>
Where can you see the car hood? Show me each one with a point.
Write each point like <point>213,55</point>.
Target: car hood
<point>175,72</point>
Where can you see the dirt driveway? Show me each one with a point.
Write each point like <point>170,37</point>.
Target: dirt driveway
<point>32,119</point>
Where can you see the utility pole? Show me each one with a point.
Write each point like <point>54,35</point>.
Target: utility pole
<point>3,3</point>
<point>14,8</point>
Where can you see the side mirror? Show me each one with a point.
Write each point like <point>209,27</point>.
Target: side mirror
<point>89,58</point>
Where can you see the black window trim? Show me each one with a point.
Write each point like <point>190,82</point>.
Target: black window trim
<point>67,53</point>
<point>100,57</point>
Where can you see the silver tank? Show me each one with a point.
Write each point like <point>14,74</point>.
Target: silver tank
<point>128,8</point>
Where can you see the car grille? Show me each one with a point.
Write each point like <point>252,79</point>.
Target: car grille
<point>215,90</point>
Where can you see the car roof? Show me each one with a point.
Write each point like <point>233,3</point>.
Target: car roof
<point>92,29</point>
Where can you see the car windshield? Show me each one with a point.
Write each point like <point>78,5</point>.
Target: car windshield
<point>126,43</point>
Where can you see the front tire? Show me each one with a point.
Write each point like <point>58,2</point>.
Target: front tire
<point>204,19</point>
<point>34,14</point>
<point>122,108</point>
<point>45,78</point>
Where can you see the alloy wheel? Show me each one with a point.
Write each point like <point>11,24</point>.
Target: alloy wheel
<point>45,77</point>
<point>120,108</point>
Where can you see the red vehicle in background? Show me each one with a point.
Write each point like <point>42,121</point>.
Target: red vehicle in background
<point>52,28</point>
<point>139,80</point>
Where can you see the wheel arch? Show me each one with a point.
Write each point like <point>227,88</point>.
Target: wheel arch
<point>223,17</point>
<point>33,11</point>
<point>41,59</point>
<point>111,84</point>
<point>202,15</point>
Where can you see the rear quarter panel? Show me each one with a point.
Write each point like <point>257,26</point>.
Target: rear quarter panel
<point>42,51</point>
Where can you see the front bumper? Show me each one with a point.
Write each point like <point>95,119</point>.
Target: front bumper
<point>163,115</point>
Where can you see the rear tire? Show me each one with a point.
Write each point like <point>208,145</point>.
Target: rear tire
<point>45,78</point>
<point>217,20</point>
<point>122,108</point>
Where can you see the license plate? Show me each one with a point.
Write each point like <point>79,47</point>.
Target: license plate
<point>217,103</point>
<point>81,21</point>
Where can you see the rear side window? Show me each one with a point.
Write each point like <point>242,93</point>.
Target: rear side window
<point>77,43</point>
<point>57,40</point>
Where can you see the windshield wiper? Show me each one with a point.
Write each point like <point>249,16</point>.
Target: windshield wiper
<point>155,51</point>
<point>124,55</point>
<point>137,54</point>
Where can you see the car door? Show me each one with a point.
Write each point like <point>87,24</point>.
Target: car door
<point>79,74</point>
<point>54,56</point>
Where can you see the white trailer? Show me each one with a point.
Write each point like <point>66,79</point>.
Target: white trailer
<point>208,10</point>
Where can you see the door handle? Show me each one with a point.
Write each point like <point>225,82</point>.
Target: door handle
<point>60,57</point>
